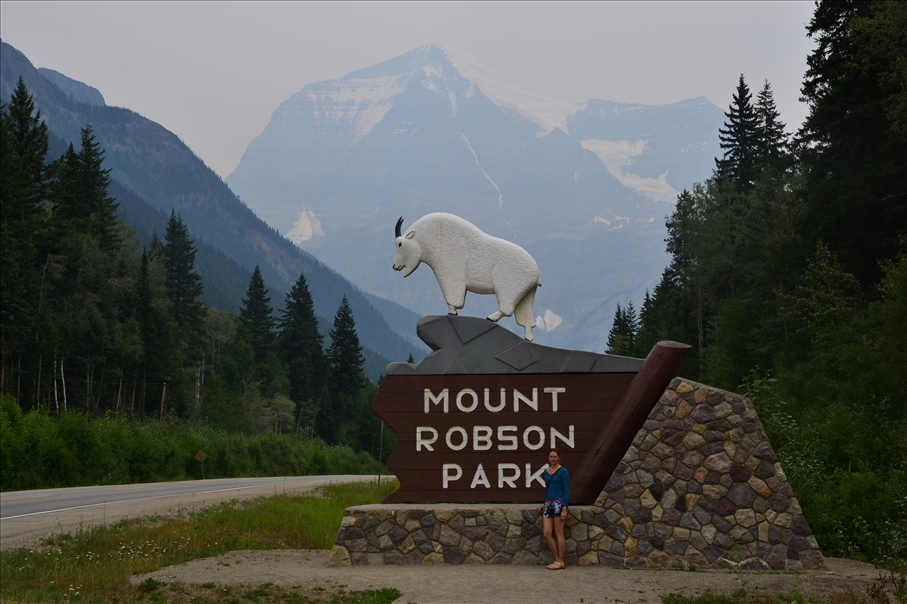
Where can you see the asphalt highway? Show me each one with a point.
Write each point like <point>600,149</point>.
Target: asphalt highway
<point>26,516</point>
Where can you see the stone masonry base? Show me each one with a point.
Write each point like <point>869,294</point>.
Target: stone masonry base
<point>700,487</point>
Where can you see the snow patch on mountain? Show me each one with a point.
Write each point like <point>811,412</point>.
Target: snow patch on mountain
<point>476,157</point>
<point>549,113</point>
<point>548,321</point>
<point>306,226</point>
<point>362,101</point>
<point>617,154</point>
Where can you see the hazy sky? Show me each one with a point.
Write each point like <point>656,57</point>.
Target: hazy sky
<point>213,72</point>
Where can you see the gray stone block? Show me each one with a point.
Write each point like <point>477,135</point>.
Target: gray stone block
<point>469,345</point>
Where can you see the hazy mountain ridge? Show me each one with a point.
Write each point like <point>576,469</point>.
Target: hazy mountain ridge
<point>79,91</point>
<point>582,186</point>
<point>151,161</point>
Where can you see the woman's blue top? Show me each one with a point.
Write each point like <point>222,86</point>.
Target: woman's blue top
<point>558,485</point>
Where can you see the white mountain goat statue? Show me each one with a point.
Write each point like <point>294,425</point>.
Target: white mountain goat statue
<point>464,258</point>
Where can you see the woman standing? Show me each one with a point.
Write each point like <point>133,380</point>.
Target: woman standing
<point>557,481</point>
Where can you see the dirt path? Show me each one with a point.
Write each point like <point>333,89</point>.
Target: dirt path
<point>306,569</point>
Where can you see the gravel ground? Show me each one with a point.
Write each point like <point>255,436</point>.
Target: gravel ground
<point>307,569</point>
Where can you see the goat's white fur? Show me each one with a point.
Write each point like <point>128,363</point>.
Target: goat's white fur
<point>464,258</point>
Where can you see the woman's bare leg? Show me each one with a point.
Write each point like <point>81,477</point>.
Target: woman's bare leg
<point>561,542</point>
<point>548,528</point>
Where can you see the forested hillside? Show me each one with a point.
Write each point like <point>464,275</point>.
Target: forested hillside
<point>95,322</point>
<point>789,278</point>
<point>147,159</point>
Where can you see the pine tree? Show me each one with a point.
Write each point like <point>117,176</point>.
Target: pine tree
<point>739,139</point>
<point>158,356</point>
<point>184,285</point>
<point>95,180</point>
<point>345,356</point>
<point>257,315</point>
<point>72,208</point>
<point>622,337</point>
<point>854,139</point>
<point>30,144</point>
<point>24,184</point>
<point>302,348</point>
<point>772,142</point>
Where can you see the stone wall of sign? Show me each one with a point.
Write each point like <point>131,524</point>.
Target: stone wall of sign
<point>699,487</point>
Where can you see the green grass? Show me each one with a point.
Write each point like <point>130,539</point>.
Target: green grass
<point>886,589</point>
<point>96,564</point>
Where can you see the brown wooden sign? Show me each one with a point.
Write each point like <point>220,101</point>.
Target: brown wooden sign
<point>485,438</point>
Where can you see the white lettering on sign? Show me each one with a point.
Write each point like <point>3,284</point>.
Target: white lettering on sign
<point>567,440</point>
<point>468,399</point>
<point>530,477</point>
<point>554,392</point>
<point>498,407</point>
<point>469,393</point>
<point>457,438</point>
<point>509,479</point>
<point>430,398</point>
<point>533,402</point>
<point>421,441</point>
<point>480,478</point>
<point>464,438</point>
<point>451,472</point>
<point>540,440</point>
<point>481,438</point>
<point>500,438</point>
<point>508,474</point>
<point>504,436</point>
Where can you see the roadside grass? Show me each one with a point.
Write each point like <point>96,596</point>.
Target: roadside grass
<point>267,592</point>
<point>744,597</point>
<point>95,564</point>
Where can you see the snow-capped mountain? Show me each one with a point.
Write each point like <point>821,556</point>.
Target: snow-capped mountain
<point>584,186</point>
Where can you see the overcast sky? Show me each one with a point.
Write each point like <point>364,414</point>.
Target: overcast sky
<point>213,72</point>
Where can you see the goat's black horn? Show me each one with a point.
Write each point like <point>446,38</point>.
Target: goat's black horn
<point>397,229</point>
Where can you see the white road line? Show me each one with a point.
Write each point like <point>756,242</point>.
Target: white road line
<point>91,505</point>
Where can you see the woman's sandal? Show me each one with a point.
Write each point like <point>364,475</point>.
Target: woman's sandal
<point>556,566</point>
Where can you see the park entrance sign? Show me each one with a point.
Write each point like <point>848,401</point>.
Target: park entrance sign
<point>476,417</point>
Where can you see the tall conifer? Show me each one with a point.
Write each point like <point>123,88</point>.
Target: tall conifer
<point>95,180</point>
<point>257,315</point>
<point>184,285</point>
<point>302,347</point>
<point>739,139</point>
<point>345,356</point>
<point>772,152</point>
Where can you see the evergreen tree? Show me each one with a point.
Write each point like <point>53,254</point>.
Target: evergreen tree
<point>739,139</point>
<point>72,209</point>
<point>345,356</point>
<point>772,143</point>
<point>21,162</point>
<point>854,140</point>
<point>184,285</point>
<point>158,356</point>
<point>622,337</point>
<point>24,183</point>
<point>256,314</point>
<point>302,349</point>
<point>27,170</point>
<point>95,180</point>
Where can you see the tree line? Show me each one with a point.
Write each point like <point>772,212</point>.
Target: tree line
<point>788,276</point>
<point>93,324</point>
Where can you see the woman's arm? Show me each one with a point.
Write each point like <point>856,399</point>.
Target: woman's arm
<point>565,482</point>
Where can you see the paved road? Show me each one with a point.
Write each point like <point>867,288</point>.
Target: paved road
<point>26,516</point>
